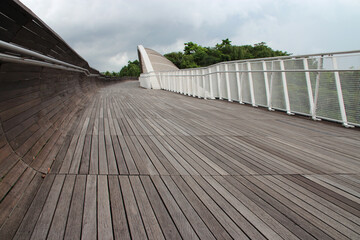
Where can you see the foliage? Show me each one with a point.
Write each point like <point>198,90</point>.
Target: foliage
<point>195,55</point>
<point>130,70</point>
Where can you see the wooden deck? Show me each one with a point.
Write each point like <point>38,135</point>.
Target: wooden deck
<point>136,163</point>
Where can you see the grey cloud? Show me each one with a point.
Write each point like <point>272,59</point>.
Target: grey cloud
<point>107,32</point>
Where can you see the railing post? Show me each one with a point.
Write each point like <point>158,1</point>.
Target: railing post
<point>203,71</point>
<point>309,88</point>
<point>168,81</point>
<point>271,88</point>
<point>227,82</point>
<point>162,80</point>
<point>238,82</point>
<point>285,88</point>
<point>266,80</point>
<point>340,94</point>
<point>210,85</point>
<point>317,84</point>
<point>199,79</point>
<point>173,87</point>
<point>191,84</point>
<point>252,95</point>
<point>218,80</point>
<point>180,83</point>
<point>174,82</point>
<point>194,83</point>
<point>188,83</point>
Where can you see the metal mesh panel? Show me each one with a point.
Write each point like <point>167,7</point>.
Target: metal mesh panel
<point>350,85</point>
<point>348,62</point>
<point>233,83</point>
<point>328,104</point>
<point>277,90</point>
<point>323,84</point>
<point>245,88</point>
<point>297,88</point>
<point>259,84</point>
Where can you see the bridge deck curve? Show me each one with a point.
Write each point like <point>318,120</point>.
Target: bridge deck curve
<point>133,163</point>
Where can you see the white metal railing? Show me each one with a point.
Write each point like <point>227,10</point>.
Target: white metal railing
<point>323,86</point>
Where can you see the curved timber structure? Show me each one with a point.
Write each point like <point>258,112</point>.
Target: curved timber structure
<point>84,158</point>
<point>151,62</point>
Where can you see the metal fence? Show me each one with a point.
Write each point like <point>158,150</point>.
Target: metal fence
<point>323,86</point>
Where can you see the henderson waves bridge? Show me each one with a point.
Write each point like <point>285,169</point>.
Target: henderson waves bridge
<point>83,157</point>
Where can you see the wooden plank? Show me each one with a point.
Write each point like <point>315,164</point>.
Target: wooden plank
<point>75,163</point>
<point>338,210</point>
<point>175,164</point>
<point>103,165</point>
<point>194,219</point>
<point>271,210</point>
<point>143,169</point>
<point>212,204</point>
<point>57,228</point>
<point>89,221</point>
<point>327,194</point>
<point>164,219</point>
<point>119,222</point>
<point>209,219</point>
<point>264,222</point>
<point>218,169</point>
<point>85,157</point>
<point>159,155</point>
<point>74,221</point>
<point>94,157</point>
<point>127,156</point>
<point>10,178</point>
<point>151,225</point>
<point>154,159</point>
<point>326,215</point>
<point>120,160</point>
<point>112,166</point>
<point>43,223</point>
<point>183,225</point>
<point>104,224</point>
<point>12,197</point>
<point>8,229</point>
<point>143,157</point>
<point>292,211</point>
<point>136,226</point>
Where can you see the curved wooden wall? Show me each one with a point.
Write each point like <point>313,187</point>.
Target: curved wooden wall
<point>39,108</point>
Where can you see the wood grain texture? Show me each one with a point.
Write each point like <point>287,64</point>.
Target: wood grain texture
<point>130,163</point>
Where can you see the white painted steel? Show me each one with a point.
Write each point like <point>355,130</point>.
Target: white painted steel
<point>295,84</point>
<point>340,94</point>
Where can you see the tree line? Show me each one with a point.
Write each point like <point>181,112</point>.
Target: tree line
<point>195,55</point>
<point>132,69</point>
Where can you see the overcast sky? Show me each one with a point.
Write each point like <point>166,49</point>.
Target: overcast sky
<point>106,32</point>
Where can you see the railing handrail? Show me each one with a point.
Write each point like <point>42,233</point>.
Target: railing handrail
<point>48,61</point>
<point>329,54</point>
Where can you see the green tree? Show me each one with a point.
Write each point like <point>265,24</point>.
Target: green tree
<point>195,55</point>
<point>130,70</point>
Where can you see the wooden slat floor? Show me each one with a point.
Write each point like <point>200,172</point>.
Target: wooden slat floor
<point>153,164</point>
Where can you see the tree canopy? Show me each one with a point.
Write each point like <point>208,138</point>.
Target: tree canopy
<point>132,69</point>
<point>195,55</point>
